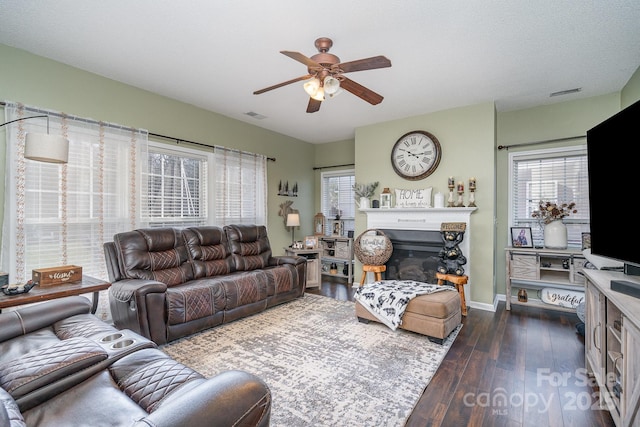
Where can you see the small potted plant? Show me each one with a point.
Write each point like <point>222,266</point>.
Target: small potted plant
<point>363,192</point>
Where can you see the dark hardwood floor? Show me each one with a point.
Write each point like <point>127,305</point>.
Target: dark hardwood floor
<point>523,367</point>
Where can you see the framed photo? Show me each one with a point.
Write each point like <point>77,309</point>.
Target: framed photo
<point>311,242</point>
<point>337,228</point>
<point>521,237</point>
<point>586,241</point>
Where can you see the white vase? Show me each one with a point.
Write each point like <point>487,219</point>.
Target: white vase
<point>364,203</point>
<point>555,235</point>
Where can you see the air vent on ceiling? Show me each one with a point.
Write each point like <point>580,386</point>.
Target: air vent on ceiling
<point>566,92</point>
<point>255,115</point>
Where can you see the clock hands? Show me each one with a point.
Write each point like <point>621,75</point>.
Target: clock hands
<point>409,152</point>
<point>417,156</point>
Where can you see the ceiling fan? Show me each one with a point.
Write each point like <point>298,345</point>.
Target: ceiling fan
<point>326,77</point>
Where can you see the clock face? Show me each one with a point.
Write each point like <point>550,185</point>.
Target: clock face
<point>416,155</point>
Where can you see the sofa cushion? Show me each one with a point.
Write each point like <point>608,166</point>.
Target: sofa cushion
<point>208,251</point>
<point>194,300</point>
<point>154,254</point>
<point>249,246</point>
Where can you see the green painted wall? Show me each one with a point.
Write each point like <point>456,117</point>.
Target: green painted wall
<point>40,82</point>
<point>467,138</point>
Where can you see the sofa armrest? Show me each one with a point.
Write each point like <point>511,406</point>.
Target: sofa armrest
<point>286,259</point>
<point>124,290</point>
<point>229,398</point>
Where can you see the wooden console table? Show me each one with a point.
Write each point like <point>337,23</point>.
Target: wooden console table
<point>87,285</point>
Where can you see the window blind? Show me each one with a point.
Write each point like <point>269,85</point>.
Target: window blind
<point>240,187</point>
<point>338,198</point>
<point>177,191</point>
<point>557,176</point>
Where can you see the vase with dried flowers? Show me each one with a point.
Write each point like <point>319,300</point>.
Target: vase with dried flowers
<point>363,192</point>
<point>551,214</point>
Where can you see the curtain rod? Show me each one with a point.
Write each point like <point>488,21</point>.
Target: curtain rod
<point>96,122</point>
<point>334,166</point>
<point>179,140</point>
<point>546,141</point>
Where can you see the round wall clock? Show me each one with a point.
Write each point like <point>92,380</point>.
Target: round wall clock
<point>416,155</point>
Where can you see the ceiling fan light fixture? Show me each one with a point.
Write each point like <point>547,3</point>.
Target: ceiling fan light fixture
<point>311,86</point>
<point>319,95</point>
<point>331,85</point>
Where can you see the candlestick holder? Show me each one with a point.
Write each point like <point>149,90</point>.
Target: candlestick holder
<point>450,200</point>
<point>472,197</point>
<point>460,202</point>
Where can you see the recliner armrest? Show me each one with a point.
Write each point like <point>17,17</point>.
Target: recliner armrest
<point>31,318</point>
<point>229,398</point>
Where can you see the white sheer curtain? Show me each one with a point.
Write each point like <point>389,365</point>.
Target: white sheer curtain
<point>240,187</point>
<point>62,214</point>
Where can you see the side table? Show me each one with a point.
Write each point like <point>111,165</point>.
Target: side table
<point>87,285</point>
<point>313,264</point>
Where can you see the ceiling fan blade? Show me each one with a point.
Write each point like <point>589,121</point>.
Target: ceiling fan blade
<point>364,64</point>
<point>314,105</point>
<point>310,63</point>
<point>360,91</point>
<point>288,82</point>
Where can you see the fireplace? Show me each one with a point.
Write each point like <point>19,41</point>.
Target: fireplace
<point>416,239</point>
<point>415,255</point>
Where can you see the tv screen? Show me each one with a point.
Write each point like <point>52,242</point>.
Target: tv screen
<point>614,175</point>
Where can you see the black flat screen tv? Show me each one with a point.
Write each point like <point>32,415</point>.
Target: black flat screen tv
<point>614,178</point>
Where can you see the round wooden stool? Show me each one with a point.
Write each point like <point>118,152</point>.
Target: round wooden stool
<point>376,269</point>
<point>459,282</point>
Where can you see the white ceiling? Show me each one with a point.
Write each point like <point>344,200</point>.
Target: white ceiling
<point>444,54</point>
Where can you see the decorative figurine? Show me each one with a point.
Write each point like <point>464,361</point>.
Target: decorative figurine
<point>451,257</point>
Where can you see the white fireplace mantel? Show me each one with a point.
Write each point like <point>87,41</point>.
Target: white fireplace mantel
<point>417,218</point>
<point>423,219</point>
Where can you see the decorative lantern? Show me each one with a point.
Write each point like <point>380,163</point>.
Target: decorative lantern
<point>385,198</point>
<point>318,224</point>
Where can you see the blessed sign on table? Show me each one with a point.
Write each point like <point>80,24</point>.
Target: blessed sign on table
<point>420,198</point>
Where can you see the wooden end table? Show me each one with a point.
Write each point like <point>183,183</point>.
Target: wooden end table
<point>87,285</point>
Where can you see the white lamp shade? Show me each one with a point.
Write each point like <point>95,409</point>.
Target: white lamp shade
<point>311,86</point>
<point>46,148</point>
<point>293,220</point>
<point>331,85</point>
<point>319,95</point>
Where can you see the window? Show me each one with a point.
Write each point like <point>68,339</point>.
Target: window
<point>338,198</point>
<point>240,187</point>
<point>176,193</point>
<point>555,175</point>
<point>61,214</point>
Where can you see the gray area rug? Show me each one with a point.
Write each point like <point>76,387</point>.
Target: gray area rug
<point>324,368</point>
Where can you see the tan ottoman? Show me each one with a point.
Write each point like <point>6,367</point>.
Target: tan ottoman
<point>434,315</point>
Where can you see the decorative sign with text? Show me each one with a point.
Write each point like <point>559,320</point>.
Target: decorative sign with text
<point>420,198</point>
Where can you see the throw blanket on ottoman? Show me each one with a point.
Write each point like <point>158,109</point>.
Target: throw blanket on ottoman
<point>388,299</point>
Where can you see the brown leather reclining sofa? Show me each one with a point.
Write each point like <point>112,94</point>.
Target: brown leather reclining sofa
<point>168,283</point>
<point>62,366</point>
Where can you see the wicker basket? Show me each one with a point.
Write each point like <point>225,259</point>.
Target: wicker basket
<point>376,248</point>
